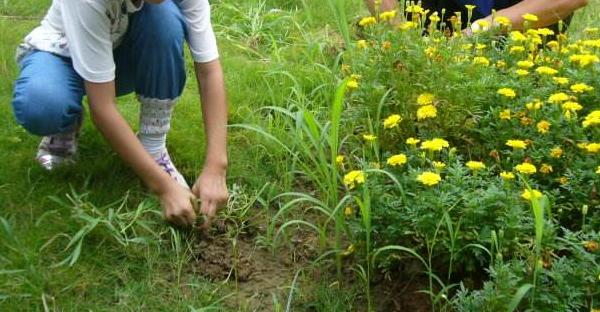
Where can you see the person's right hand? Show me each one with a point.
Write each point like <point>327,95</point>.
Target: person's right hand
<point>178,205</point>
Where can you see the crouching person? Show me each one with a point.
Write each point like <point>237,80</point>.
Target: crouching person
<point>108,48</point>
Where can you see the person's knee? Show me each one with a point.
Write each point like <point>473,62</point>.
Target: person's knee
<point>44,111</point>
<point>164,27</point>
<point>160,31</point>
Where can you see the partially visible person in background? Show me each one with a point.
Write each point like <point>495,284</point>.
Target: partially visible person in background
<point>549,12</point>
<point>104,49</point>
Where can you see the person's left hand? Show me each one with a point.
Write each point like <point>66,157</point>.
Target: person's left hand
<point>211,189</point>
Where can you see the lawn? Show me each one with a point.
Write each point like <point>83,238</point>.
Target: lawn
<point>298,232</point>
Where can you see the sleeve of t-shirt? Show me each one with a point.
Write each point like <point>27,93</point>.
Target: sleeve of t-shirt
<point>201,37</point>
<point>87,28</point>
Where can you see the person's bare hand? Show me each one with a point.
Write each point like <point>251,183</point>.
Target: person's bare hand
<point>211,189</point>
<point>178,205</point>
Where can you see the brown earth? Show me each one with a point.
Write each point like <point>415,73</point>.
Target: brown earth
<point>255,274</point>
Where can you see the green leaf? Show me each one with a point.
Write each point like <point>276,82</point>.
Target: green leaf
<point>518,297</point>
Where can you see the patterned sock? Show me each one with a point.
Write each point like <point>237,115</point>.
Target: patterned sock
<point>155,122</point>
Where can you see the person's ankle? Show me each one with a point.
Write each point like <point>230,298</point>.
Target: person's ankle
<point>154,144</point>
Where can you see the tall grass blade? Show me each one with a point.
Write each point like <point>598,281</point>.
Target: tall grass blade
<point>521,292</point>
<point>338,7</point>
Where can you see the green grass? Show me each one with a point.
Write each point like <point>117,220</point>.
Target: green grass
<point>154,275</point>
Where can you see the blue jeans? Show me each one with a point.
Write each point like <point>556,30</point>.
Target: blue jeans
<point>48,93</point>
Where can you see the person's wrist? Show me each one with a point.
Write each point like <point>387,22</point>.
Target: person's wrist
<point>164,185</point>
<point>217,161</point>
<point>215,166</point>
<point>214,169</point>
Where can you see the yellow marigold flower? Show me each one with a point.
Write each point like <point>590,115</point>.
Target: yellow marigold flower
<point>483,26</point>
<point>525,121</point>
<point>517,144</point>
<point>591,30</point>
<point>480,46</point>
<point>435,144</point>
<point>361,44</point>
<point>412,141</point>
<point>507,175</point>
<point>545,32</point>
<point>526,168</point>
<point>352,84</point>
<point>505,114</point>
<point>345,68</point>
<point>369,137</point>
<point>561,80</point>
<point>581,88</point>
<point>563,180</point>
<point>350,250</point>
<point>535,42</point>
<point>521,72</point>
<point>507,92</point>
<point>556,152</point>
<point>530,17</point>
<point>481,60</point>
<point>517,49</point>
<point>427,111</point>
<point>592,147</point>
<point>530,106</point>
<point>525,64</point>
<point>386,45</point>
<point>503,21</point>
<point>348,211</point>
<point>467,46</point>
<point>392,121</point>
<point>571,106</point>
<point>397,160</point>
<point>429,178</point>
<point>475,165</point>
<point>415,8</point>
<point>367,21</point>
<point>439,165</point>
<point>339,159</point>
<point>353,178</point>
<point>535,105</point>
<point>584,59</point>
<point>517,36</point>
<point>500,64</point>
<point>592,119</point>
<point>591,246</point>
<point>546,168</point>
<point>568,114</point>
<point>434,17</point>
<point>388,15</point>
<point>528,195</point>
<point>553,44</point>
<point>591,43</point>
<point>425,99</point>
<point>598,170</point>
<point>407,25</point>
<point>430,51</point>
<point>543,127</point>
<point>558,98</point>
<point>545,70</point>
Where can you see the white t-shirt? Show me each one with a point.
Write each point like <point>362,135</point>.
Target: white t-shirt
<point>88,31</point>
